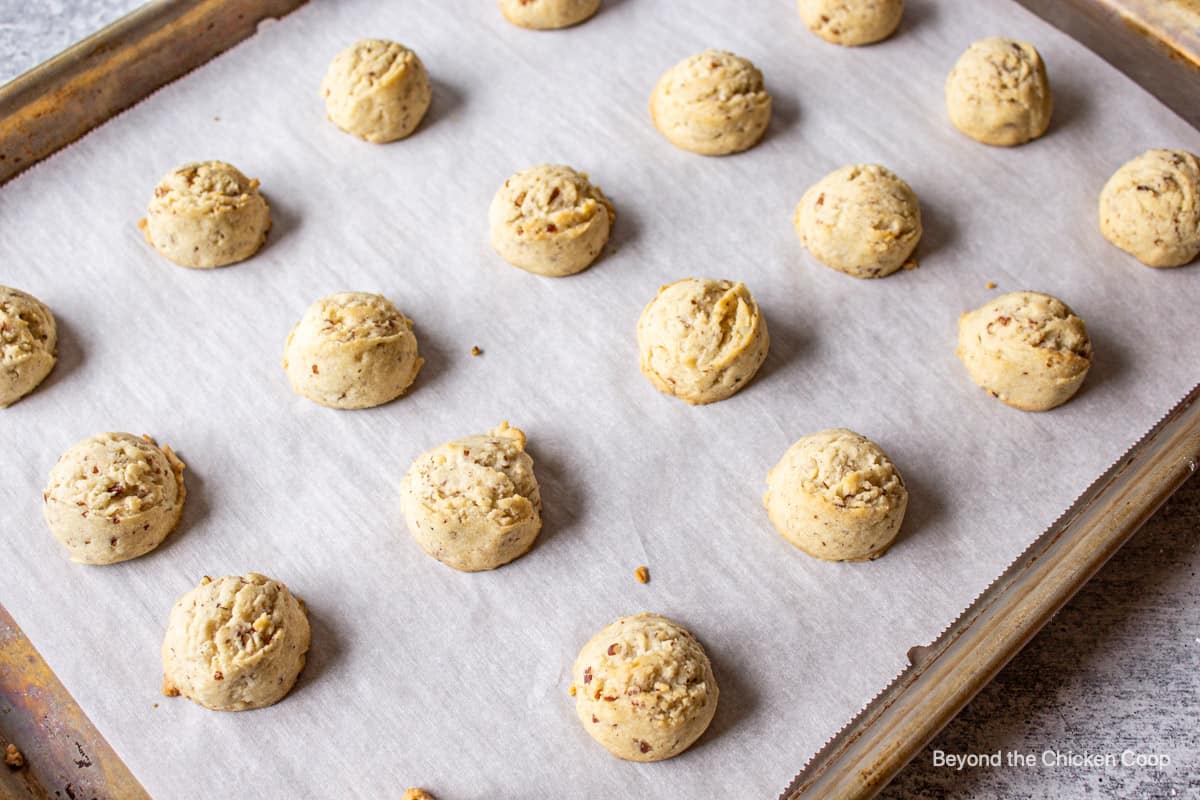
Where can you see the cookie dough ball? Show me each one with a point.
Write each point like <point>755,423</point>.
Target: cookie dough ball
<point>206,214</point>
<point>235,643</point>
<point>702,340</point>
<point>352,350</point>
<point>550,220</point>
<point>862,220</point>
<point>998,92</point>
<point>545,15</point>
<point>837,496</point>
<point>644,688</point>
<point>474,503</point>
<point>1026,348</point>
<point>1150,208</point>
<point>28,344</point>
<point>377,90</point>
<point>114,497</point>
<point>713,104</point>
<point>852,22</point>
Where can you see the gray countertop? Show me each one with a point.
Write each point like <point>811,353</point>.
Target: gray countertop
<point>1116,674</point>
<point>31,32</point>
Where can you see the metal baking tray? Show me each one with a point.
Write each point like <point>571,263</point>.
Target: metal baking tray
<point>1156,43</point>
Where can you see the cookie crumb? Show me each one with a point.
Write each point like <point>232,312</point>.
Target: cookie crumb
<point>475,351</point>
<point>154,705</point>
<point>416,794</point>
<point>990,285</point>
<point>909,264</point>
<point>571,690</point>
<point>643,574</point>
<point>13,758</point>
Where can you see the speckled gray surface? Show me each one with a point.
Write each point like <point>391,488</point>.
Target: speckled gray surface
<point>1116,672</point>
<point>33,30</point>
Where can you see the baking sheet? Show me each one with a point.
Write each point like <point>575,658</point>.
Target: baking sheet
<point>419,674</point>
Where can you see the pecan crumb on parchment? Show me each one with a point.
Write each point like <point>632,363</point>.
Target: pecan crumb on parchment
<point>475,351</point>
<point>643,574</point>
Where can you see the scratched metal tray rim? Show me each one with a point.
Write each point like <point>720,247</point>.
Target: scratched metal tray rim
<point>59,101</point>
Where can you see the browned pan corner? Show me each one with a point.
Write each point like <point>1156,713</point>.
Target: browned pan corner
<point>64,756</point>
<point>54,104</point>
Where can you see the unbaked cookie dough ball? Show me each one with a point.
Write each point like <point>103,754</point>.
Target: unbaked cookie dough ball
<point>352,350</point>
<point>377,90</point>
<point>28,344</point>
<point>998,92</point>
<point>235,643</point>
<point>206,214</point>
<point>702,340</point>
<point>862,220</point>
<point>474,503</point>
<point>547,14</point>
<point>852,22</point>
<point>550,220</point>
<point>713,104</point>
<point>837,496</point>
<point>114,497</point>
<point>1027,348</point>
<point>644,688</point>
<point>1150,208</point>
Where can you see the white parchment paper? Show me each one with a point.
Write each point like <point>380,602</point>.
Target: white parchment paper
<point>419,674</point>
